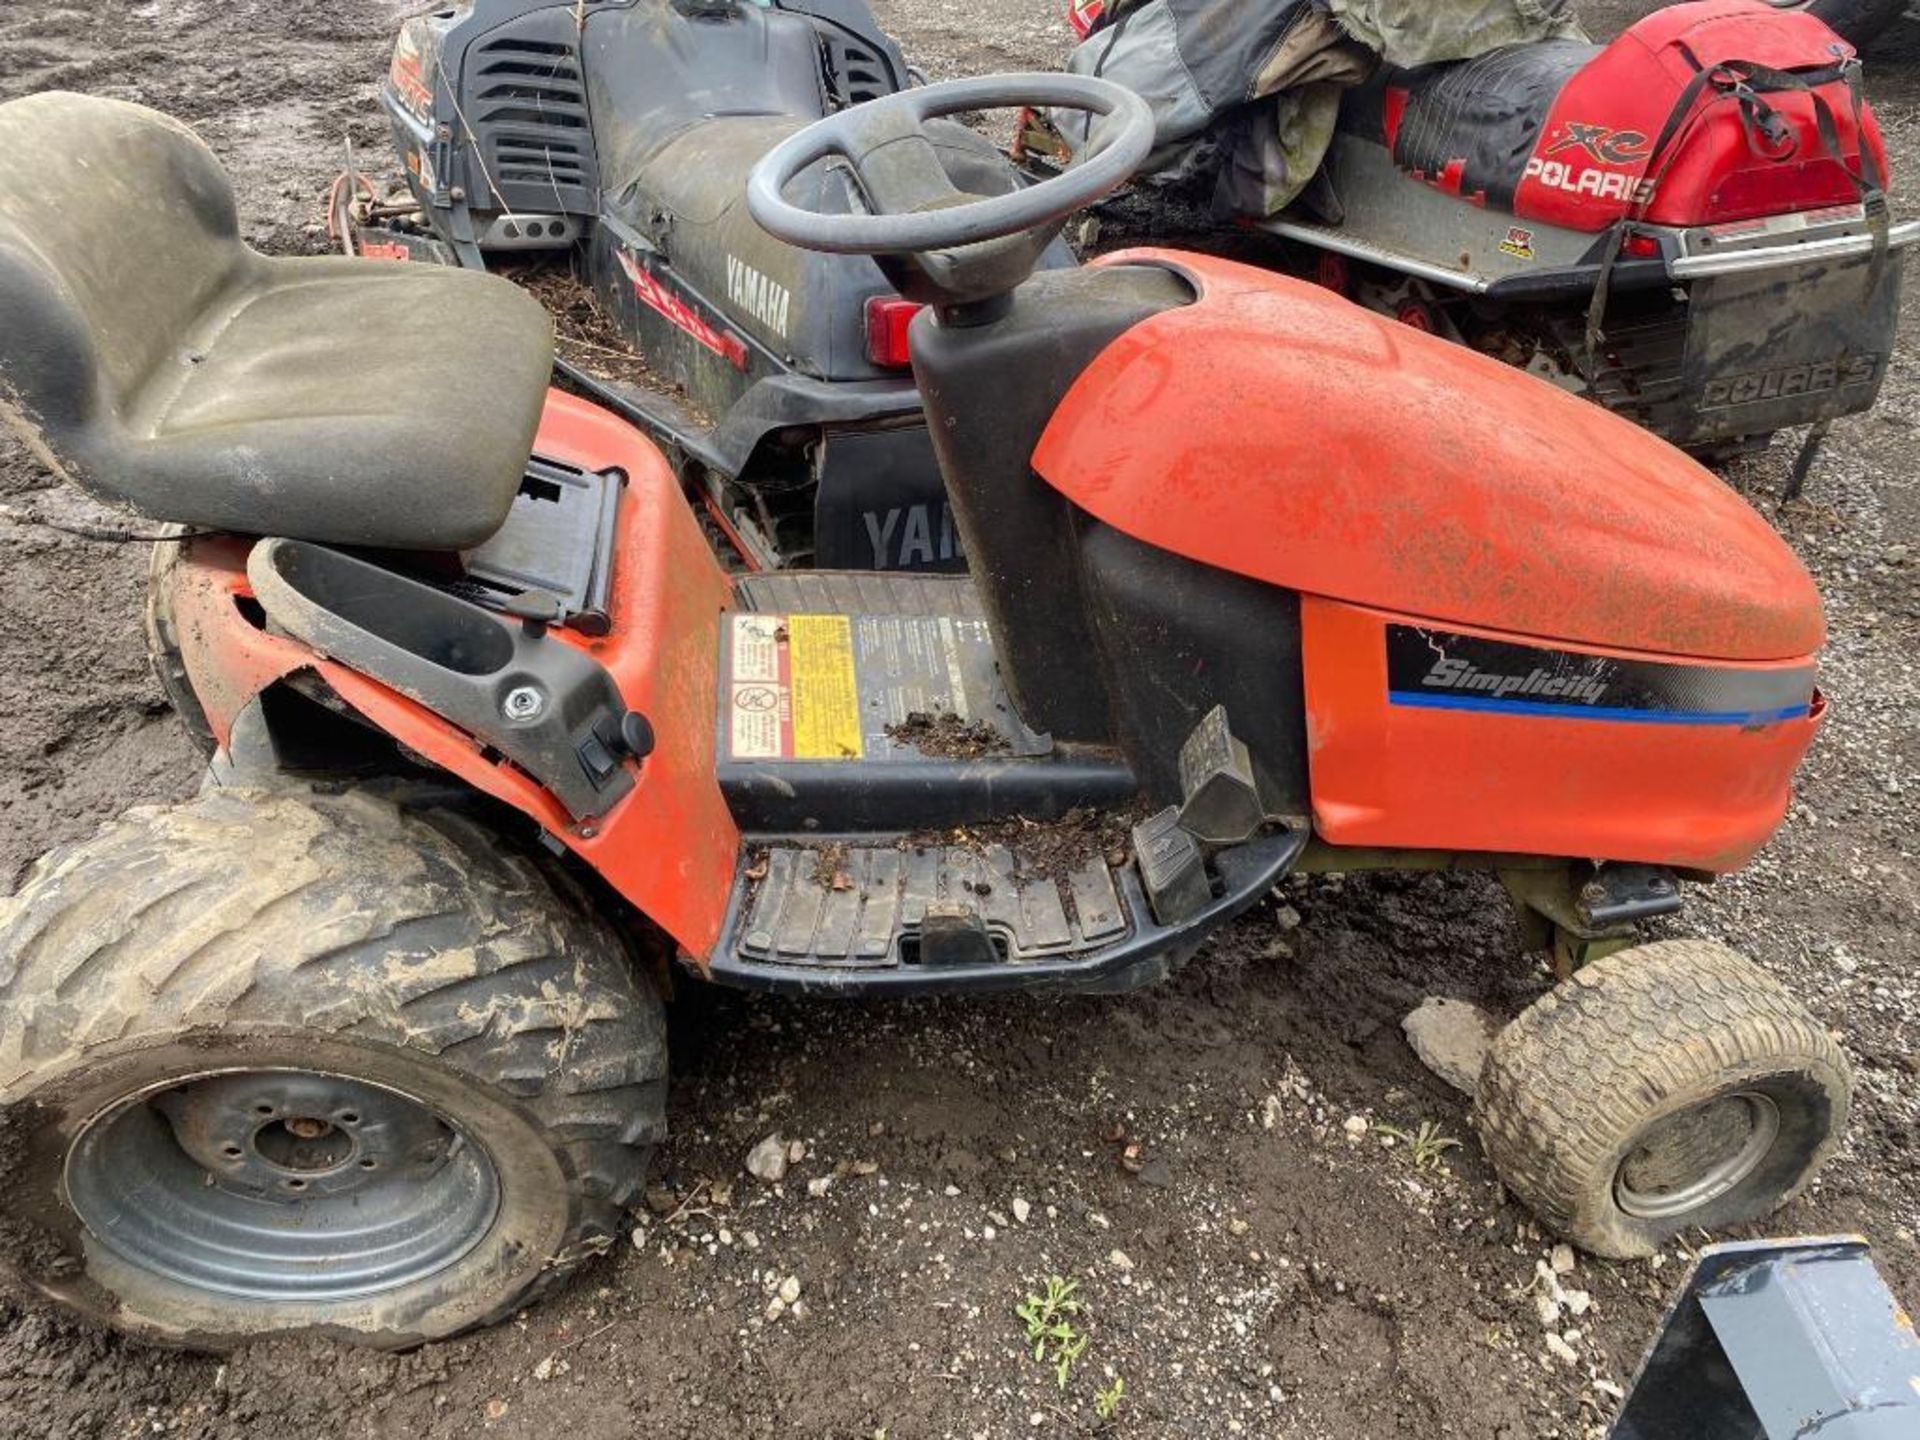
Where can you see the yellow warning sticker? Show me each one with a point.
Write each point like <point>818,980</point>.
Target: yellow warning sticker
<point>826,696</point>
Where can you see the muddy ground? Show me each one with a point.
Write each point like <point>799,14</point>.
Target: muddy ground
<point>1252,1269</point>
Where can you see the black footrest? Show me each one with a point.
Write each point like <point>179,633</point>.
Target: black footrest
<point>866,907</point>
<point>841,919</point>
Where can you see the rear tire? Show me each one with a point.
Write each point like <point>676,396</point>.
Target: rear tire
<point>163,649</point>
<point>443,1040</point>
<point>1663,1087</point>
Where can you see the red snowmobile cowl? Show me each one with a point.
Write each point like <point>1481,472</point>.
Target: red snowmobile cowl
<point>1274,430</point>
<point>1566,134</point>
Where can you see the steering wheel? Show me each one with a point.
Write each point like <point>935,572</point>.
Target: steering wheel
<point>913,207</point>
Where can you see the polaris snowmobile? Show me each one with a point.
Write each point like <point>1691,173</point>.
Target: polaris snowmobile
<point>1688,225</point>
<point>615,137</point>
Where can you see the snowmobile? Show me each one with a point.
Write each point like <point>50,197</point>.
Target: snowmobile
<point>614,138</point>
<point>367,1038</point>
<point>1688,225</point>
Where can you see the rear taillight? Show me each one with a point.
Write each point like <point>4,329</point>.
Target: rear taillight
<point>1780,188</point>
<point>1643,246</point>
<point>887,319</point>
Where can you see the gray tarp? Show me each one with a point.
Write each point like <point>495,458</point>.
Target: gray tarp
<point>1405,33</point>
<point>1250,89</point>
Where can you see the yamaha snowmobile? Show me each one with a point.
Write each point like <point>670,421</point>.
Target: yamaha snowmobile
<point>1688,225</point>
<point>614,138</point>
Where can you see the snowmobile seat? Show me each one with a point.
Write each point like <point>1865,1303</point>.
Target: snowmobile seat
<point>1470,126</point>
<point>147,353</point>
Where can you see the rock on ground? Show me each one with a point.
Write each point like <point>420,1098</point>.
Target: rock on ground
<point>767,1161</point>
<point>1452,1038</point>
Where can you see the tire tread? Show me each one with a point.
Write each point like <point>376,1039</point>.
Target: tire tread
<point>413,929</point>
<point>1573,1076</point>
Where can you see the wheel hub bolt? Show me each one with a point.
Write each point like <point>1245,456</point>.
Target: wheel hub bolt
<point>523,702</point>
<point>308,1127</point>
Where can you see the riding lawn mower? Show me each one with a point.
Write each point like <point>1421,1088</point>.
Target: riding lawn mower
<point>1858,22</point>
<point>368,1037</point>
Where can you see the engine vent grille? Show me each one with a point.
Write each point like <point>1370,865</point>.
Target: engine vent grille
<point>528,105</point>
<point>856,72</point>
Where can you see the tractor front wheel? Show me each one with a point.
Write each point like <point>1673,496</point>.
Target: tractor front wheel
<point>278,1062</point>
<point>1664,1087</point>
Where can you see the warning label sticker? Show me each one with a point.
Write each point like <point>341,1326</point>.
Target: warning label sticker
<point>761,716</point>
<point>794,691</point>
<point>830,687</point>
<point>826,699</point>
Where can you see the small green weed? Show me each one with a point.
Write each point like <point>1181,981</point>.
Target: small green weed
<point>1051,1329</point>
<point>1426,1146</point>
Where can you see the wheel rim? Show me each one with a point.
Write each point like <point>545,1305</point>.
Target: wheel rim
<point>1697,1155</point>
<point>281,1185</point>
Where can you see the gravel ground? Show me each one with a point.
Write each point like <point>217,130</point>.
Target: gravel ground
<point>1263,1271</point>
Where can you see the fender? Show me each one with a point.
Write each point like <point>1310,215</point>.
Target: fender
<point>1274,430</point>
<point>670,846</point>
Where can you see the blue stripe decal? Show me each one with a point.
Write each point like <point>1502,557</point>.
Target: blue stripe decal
<point>1427,700</point>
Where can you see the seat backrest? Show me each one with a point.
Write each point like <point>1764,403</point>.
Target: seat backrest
<point>117,227</point>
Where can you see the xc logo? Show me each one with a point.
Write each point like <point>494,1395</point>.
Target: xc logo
<point>1609,147</point>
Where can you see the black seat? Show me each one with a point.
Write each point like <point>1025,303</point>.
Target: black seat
<point>1476,122</point>
<point>151,356</point>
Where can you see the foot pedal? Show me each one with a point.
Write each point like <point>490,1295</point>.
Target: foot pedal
<point>1172,867</point>
<point>1222,805</point>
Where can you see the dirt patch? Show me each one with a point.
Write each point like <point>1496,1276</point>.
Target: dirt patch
<point>1287,1280</point>
<point>830,867</point>
<point>1052,849</point>
<point>583,335</point>
<point>948,737</point>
